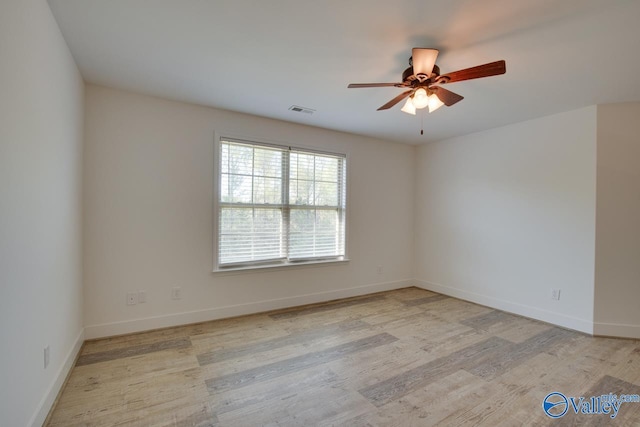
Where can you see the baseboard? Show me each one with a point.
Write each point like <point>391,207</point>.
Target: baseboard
<point>176,319</point>
<point>619,330</point>
<point>562,320</point>
<point>52,392</point>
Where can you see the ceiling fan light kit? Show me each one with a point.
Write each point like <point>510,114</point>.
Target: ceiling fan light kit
<point>420,100</point>
<point>424,81</point>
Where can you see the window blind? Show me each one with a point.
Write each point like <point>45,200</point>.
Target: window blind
<point>279,204</point>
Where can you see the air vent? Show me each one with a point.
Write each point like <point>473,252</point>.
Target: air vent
<point>299,109</point>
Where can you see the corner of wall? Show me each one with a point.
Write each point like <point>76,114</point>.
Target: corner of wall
<point>617,237</point>
<point>47,403</point>
<point>504,215</point>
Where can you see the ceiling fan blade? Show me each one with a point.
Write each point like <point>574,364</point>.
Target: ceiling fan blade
<point>395,100</point>
<point>486,70</point>
<point>359,85</point>
<point>423,60</point>
<point>449,98</point>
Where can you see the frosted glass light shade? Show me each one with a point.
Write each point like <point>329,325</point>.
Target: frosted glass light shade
<point>423,60</point>
<point>434,103</point>
<point>420,98</point>
<point>408,107</point>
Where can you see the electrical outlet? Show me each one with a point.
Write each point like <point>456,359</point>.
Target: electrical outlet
<point>379,269</point>
<point>132,298</point>
<point>555,294</point>
<point>142,296</point>
<point>176,293</point>
<point>47,353</point>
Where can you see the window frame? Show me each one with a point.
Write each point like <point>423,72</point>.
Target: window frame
<point>268,264</point>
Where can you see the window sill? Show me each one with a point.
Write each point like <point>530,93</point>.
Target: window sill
<point>276,267</point>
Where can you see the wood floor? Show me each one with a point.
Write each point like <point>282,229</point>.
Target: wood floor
<point>401,358</point>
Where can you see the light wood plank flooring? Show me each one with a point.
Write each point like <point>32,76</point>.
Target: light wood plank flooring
<point>401,358</point>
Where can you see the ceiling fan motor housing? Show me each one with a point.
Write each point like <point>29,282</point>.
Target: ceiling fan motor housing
<point>408,76</point>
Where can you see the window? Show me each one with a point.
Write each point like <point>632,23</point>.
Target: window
<point>279,205</point>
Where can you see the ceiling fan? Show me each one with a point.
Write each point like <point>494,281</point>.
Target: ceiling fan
<point>424,82</point>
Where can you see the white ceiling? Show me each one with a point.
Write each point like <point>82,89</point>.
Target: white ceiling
<point>261,57</point>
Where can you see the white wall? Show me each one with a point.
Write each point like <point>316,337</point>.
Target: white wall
<point>148,218</point>
<point>41,120</point>
<point>617,273</point>
<point>503,216</point>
